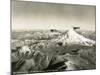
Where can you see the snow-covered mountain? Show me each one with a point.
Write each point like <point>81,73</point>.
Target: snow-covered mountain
<point>71,37</point>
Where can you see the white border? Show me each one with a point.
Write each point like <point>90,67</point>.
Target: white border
<point>5,37</point>
<point>85,2</point>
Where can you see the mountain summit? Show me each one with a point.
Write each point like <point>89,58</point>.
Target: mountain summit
<point>71,37</point>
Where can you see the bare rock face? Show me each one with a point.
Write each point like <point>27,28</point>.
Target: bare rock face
<point>38,61</point>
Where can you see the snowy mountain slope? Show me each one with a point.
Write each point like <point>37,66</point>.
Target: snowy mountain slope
<point>65,42</point>
<point>71,37</point>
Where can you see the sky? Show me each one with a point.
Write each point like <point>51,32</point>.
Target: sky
<point>27,15</point>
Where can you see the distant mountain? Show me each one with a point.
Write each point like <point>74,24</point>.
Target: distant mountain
<point>62,43</point>
<point>71,37</point>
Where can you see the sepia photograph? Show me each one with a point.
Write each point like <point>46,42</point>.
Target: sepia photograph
<point>52,37</point>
